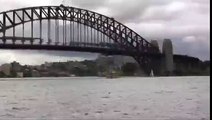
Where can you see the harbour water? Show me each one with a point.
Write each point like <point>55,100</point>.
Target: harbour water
<point>137,98</point>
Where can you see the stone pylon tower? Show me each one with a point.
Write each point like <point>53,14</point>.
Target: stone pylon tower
<point>155,43</point>
<point>156,62</point>
<point>168,62</point>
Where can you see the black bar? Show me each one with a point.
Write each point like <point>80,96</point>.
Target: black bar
<point>101,38</point>
<point>8,18</point>
<point>49,31</point>
<point>70,30</point>
<point>94,36</point>
<point>56,28</point>
<point>4,28</point>
<point>91,35</point>
<point>13,27</point>
<point>49,27</point>
<point>23,35</point>
<point>32,26</point>
<point>65,32</point>
<point>85,35</point>
<point>77,32</point>
<point>108,38</point>
<point>104,38</point>
<point>73,32</point>
<point>57,32</point>
<point>80,34</point>
<point>98,40</point>
<point>41,27</point>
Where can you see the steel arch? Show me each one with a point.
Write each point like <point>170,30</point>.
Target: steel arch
<point>118,32</point>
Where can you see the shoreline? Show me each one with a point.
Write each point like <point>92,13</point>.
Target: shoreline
<point>86,77</point>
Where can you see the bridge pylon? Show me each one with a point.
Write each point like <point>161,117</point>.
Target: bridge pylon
<point>168,61</point>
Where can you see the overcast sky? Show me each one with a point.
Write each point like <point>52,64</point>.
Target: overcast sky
<point>185,22</point>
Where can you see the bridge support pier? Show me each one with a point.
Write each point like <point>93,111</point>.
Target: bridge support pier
<point>148,64</point>
<point>143,64</point>
<point>167,61</point>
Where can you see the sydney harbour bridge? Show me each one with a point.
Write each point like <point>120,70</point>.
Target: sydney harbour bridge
<point>75,29</point>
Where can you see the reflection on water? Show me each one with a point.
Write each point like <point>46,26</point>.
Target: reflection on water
<point>99,98</point>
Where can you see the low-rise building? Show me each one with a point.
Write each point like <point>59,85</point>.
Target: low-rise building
<point>20,74</point>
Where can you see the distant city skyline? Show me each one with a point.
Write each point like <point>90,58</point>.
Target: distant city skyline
<point>185,22</point>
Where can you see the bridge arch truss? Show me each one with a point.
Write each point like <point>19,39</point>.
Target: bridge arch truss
<point>120,37</point>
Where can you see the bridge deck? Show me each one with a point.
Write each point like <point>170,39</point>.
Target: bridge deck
<point>107,51</point>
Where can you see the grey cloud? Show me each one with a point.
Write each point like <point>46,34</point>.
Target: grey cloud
<point>7,5</point>
<point>89,4</point>
<point>127,11</point>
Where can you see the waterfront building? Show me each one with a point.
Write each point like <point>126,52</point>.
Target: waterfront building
<point>20,74</point>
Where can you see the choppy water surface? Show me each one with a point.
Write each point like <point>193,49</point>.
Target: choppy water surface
<point>180,98</point>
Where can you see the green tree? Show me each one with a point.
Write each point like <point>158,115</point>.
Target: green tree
<point>2,74</point>
<point>129,69</point>
<point>13,73</point>
<point>78,71</point>
<point>91,68</point>
<point>28,73</point>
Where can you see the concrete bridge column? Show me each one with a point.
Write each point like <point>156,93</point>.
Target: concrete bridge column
<point>156,61</point>
<point>168,62</point>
